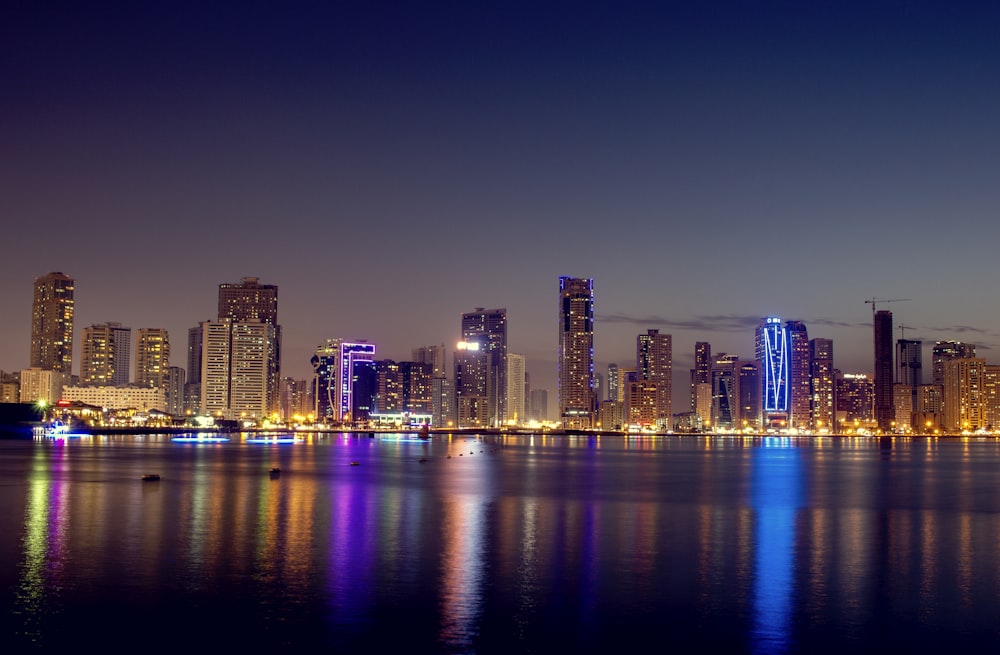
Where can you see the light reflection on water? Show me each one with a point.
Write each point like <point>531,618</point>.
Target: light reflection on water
<point>511,544</point>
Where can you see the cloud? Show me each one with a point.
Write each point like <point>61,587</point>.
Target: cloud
<point>716,323</point>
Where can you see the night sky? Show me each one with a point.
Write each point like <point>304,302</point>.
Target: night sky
<point>392,165</point>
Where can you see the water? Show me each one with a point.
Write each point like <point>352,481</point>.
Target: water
<point>520,544</point>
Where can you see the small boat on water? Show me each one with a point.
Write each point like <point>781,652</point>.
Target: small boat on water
<point>355,464</point>
<point>150,477</point>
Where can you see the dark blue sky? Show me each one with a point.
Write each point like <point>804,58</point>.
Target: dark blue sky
<point>392,165</point>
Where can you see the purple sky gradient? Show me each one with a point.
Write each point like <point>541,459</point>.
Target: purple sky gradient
<point>392,165</point>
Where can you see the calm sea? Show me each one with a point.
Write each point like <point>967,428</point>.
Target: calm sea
<point>518,544</point>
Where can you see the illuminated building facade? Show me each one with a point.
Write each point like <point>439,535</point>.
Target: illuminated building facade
<point>104,355</point>
<point>821,374</point>
<point>855,401</point>
<point>516,388</point>
<point>357,369</point>
<point>702,371</point>
<point>41,385</point>
<point>237,366</point>
<point>725,393</point>
<point>142,399</point>
<point>884,410</point>
<point>774,359</point>
<point>653,363</point>
<point>152,357</point>
<point>249,301</point>
<point>471,386</point>
<point>326,366</point>
<point>488,328</point>
<point>52,323</point>
<point>942,351</point>
<point>965,397</point>
<point>613,382</point>
<point>174,390</point>
<point>576,352</point>
<point>435,356</point>
<point>750,389</point>
<point>389,395</point>
<point>799,387</point>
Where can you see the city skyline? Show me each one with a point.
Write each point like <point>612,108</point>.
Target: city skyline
<point>706,165</point>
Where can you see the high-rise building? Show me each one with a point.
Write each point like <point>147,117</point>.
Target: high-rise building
<point>774,359</point>
<point>215,367</point>
<point>799,387</point>
<point>515,389</point>
<point>417,387</point>
<point>249,301</point>
<point>702,371</point>
<point>52,323</point>
<point>908,362</point>
<point>389,395</point>
<point>435,356</point>
<point>725,374</point>
<point>965,397</point>
<point>576,352</point>
<point>855,399</point>
<point>942,351</point>
<point>356,377</point>
<point>471,384</point>
<point>326,377</point>
<point>175,390</point>
<point>613,382</point>
<point>653,363</point>
<point>192,384</point>
<point>488,328</point>
<point>885,412</point>
<point>152,357</point>
<point>821,375</point>
<point>104,355</point>
<point>253,394</point>
<point>539,404</point>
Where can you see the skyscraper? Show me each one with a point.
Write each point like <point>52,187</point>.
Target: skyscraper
<point>774,360</point>
<point>104,355</point>
<point>702,371</point>
<point>52,323</point>
<point>471,392</point>
<point>152,357</point>
<point>909,362</point>
<point>576,352</point>
<point>884,408</point>
<point>516,412</point>
<point>249,301</point>
<point>488,328</point>
<point>653,362</point>
<point>799,391</point>
<point>942,351</point>
<point>822,379</point>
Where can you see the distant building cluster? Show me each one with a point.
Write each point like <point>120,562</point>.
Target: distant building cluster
<point>233,373</point>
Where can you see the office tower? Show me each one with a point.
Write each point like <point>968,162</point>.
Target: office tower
<point>471,385</point>
<point>855,400</point>
<point>253,393</point>
<point>576,352</point>
<point>443,410</point>
<point>417,387</point>
<point>215,369</point>
<point>249,301</point>
<point>774,359</point>
<point>653,363</point>
<point>295,401</point>
<point>152,357</point>
<point>799,388</point>
<point>964,395</point>
<point>357,369</point>
<point>389,393</point>
<point>749,394</point>
<point>884,412</point>
<point>702,371</point>
<point>613,382</point>
<point>104,355</point>
<point>326,367</point>
<point>175,390</point>
<point>516,414</point>
<point>52,323</point>
<point>435,356</point>
<point>488,328</point>
<point>641,404</point>
<point>908,362</point>
<point>942,351</point>
<point>903,399</point>
<point>725,375</point>
<point>822,380</point>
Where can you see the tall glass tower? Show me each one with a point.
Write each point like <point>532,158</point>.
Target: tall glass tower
<point>773,355</point>
<point>576,352</point>
<point>52,323</point>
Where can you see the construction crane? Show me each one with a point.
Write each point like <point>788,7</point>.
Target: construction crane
<point>903,329</point>
<point>873,301</point>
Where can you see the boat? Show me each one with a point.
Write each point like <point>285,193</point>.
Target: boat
<point>275,472</point>
<point>150,477</point>
<point>425,432</point>
<point>355,464</point>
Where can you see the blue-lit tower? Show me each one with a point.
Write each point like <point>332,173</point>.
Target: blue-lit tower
<point>773,356</point>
